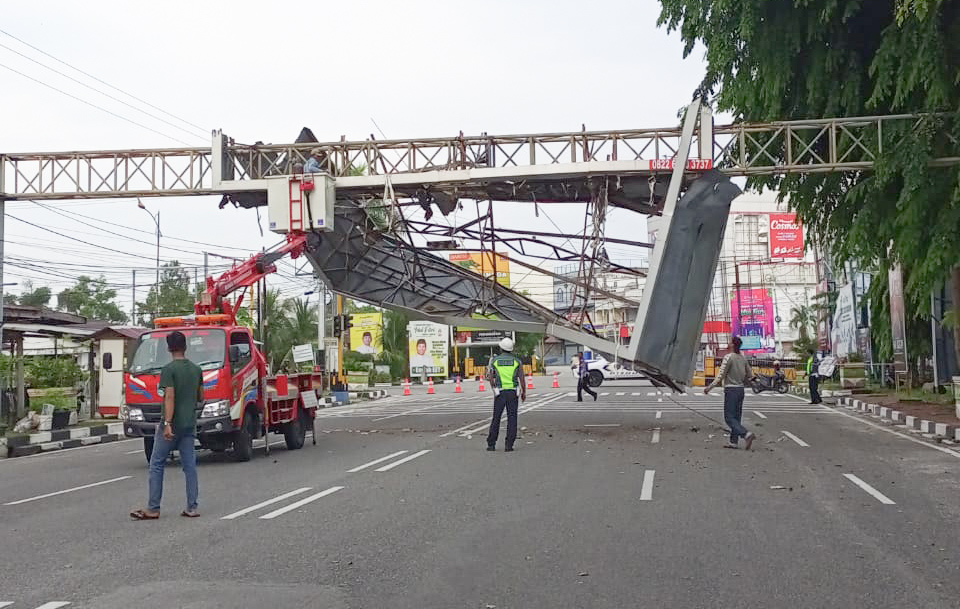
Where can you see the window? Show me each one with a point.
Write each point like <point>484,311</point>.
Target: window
<point>241,340</point>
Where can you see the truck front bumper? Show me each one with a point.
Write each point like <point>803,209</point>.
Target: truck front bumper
<point>205,426</point>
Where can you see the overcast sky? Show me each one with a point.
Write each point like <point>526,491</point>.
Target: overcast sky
<point>261,71</point>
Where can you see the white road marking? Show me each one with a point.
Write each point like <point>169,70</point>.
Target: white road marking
<point>795,439</point>
<point>5,604</point>
<point>870,490</point>
<point>605,394</point>
<point>621,393</point>
<point>636,393</point>
<point>133,452</point>
<point>69,490</point>
<point>656,436</point>
<point>659,414</point>
<point>952,453</point>
<point>390,466</point>
<point>375,461</point>
<point>54,453</point>
<point>53,605</point>
<point>301,503</point>
<point>254,508</point>
<point>650,393</point>
<point>464,431</point>
<point>459,429</point>
<point>601,425</point>
<point>759,414</point>
<point>646,488</point>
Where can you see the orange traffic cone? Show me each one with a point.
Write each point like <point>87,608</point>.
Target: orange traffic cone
<point>530,382</point>
<point>482,386</point>
<point>556,380</point>
<point>458,389</point>
<point>430,390</point>
<point>406,387</point>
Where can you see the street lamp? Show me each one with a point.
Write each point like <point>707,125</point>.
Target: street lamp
<point>156,220</point>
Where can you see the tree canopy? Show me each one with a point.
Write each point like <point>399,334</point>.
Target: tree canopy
<point>795,59</point>
<point>176,296</point>
<point>91,298</point>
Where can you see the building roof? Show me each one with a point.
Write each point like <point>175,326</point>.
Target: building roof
<point>118,331</point>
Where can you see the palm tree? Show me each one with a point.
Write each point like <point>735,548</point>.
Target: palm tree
<point>802,319</point>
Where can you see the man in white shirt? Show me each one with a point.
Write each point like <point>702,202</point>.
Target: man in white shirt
<point>734,373</point>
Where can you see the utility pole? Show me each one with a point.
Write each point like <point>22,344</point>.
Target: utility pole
<point>340,340</point>
<point>133,299</point>
<point>3,213</point>
<point>206,266</point>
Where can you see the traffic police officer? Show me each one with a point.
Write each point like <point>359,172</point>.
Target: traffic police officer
<point>505,374</point>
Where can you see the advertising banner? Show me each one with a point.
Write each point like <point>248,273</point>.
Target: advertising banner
<point>366,335</point>
<point>483,264</point>
<point>786,236</point>
<point>898,321</point>
<point>472,336</point>
<point>753,319</point>
<point>429,345</point>
<point>843,335</point>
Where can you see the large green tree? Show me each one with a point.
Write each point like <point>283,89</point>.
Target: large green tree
<point>795,59</point>
<point>34,297</point>
<point>92,298</point>
<point>176,296</point>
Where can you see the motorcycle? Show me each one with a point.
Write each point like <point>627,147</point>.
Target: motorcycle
<point>763,382</point>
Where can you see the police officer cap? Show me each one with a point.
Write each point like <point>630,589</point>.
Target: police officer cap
<point>506,344</point>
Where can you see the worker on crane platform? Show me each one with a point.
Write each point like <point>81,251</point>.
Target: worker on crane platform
<point>505,374</point>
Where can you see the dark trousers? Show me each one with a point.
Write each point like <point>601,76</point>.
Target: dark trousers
<point>733,412</point>
<point>583,386</point>
<point>814,392</point>
<point>507,399</point>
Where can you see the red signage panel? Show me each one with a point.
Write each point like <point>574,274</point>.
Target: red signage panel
<point>786,236</point>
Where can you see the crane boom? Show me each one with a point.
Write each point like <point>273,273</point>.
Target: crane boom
<point>244,275</point>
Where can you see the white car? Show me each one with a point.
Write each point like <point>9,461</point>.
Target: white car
<point>600,369</point>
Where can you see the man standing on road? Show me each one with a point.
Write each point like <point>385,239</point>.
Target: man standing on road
<point>813,379</point>
<point>583,377</point>
<point>505,374</point>
<point>181,385</point>
<point>734,373</point>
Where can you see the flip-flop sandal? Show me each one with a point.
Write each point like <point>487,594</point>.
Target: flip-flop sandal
<point>187,514</point>
<point>142,515</point>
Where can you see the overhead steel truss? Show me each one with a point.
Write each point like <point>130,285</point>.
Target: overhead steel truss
<point>544,167</point>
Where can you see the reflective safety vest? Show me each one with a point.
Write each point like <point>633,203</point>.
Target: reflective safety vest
<point>506,367</point>
<point>810,365</point>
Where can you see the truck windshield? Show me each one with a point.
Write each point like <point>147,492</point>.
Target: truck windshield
<point>206,347</point>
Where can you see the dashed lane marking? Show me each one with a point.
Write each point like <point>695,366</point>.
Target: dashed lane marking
<point>375,461</point>
<point>69,490</point>
<point>254,508</point>
<point>301,503</point>
<point>390,466</point>
<point>759,414</point>
<point>656,436</point>
<point>646,488</point>
<point>870,490</point>
<point>795,439</point>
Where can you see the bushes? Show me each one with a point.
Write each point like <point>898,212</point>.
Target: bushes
<point>41,372</point>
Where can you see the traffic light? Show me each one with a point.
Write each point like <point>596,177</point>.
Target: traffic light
<point>347,322</point>
<point>337,325</point>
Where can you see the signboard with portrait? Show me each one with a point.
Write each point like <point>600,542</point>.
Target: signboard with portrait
<point>786,236</point>
<point>429,345</point>
<point>366,335</point>
<point>753,319</point>
<point>483,264</point>
<point>843,335</point>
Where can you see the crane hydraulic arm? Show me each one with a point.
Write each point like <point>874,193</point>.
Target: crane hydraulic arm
<point>244,275</point>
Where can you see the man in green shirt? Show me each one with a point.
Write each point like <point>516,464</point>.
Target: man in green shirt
<point>181,385</point>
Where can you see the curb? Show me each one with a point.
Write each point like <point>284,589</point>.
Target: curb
<point>370,394</point>
<point>938,432</point>
<point>45,441</point>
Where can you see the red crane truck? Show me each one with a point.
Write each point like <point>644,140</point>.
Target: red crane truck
<point>242,401</point>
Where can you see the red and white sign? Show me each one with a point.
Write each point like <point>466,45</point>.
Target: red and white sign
<point>786,236</point>
<point>692,164</point>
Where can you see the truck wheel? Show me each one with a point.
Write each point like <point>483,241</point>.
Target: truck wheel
<point>595,379</point>
<point>243,438</point>
<point>295,432</point>
<point>148,447</point>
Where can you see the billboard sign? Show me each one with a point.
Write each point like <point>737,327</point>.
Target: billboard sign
<point>483,264</point>
<point>429,348</point>
<point>471,336</point>
<point>366,335</point>
<point>786,236</point>
<point>843,334</point>
<point>753,319</point>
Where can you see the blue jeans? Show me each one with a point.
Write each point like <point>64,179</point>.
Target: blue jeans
<point>182,442</point>
<point>733,412</point>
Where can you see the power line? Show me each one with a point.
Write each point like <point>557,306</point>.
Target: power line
<point>101,108</point>
<point>107,95</point>
<point>103,82</point>
<point>103,247</point>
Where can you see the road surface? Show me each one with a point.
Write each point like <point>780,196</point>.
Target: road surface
<point>627,502</point>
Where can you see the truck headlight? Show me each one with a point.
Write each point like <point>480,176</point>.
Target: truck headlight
<point>128,413</point>
<point>220,408</point>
